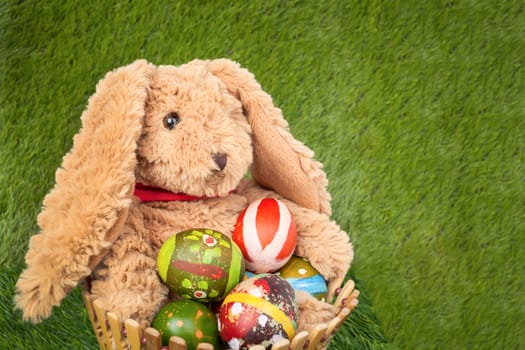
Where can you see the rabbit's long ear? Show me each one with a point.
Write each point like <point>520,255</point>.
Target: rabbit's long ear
<point>83,213</point>
<point>281,162</point>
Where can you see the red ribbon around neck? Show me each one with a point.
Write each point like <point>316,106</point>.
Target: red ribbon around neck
<point>150,193</point>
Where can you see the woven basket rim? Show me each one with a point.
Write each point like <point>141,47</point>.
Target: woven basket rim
<point>113,333</point>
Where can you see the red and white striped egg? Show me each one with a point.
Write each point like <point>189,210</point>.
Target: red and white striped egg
<point>265,231</point>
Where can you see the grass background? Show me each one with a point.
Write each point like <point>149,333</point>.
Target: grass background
<point>416,109</point>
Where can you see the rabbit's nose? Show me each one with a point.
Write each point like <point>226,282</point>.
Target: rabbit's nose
<point>220,159</point>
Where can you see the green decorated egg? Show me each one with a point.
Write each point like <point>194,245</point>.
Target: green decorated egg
<point>303,276</point>
<point>200,264</point>
<point>187,319</point>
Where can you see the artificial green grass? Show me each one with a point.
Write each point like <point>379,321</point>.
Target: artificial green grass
<point>415,108</point>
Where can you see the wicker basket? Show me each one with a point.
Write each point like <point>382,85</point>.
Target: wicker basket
<point>112,333</point>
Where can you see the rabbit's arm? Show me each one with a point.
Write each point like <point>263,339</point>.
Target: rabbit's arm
<point>324,244</point>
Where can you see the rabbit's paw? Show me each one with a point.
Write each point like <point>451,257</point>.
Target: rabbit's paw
<point>36,295</point>
<point>313,312</point>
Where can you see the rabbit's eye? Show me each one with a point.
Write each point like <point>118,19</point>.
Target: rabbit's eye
<point>171,120</point>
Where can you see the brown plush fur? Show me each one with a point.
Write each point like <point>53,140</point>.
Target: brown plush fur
<point>92,225</point>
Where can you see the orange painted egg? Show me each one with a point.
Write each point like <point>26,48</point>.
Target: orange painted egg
<point>265,231</point>
<point>187,319</point>
<point>200,264</point>
<point>259,311</point>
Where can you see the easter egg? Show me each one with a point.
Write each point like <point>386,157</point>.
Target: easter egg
<point>200,264</point>
<point>187,319</point>
<point>265,231</point>
<point>303,276</point>
<point>259,311</point>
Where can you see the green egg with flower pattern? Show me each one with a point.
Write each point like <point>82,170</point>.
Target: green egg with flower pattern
<point>200,264</point>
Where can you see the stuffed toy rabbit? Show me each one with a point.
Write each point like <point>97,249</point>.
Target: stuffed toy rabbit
<point>163,149</point>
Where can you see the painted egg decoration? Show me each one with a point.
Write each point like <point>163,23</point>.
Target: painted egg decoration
<point>200,264</point>
<point>303,276</point>
<point>187,319</point>
<point>259,311</point>
<point>265,231</point>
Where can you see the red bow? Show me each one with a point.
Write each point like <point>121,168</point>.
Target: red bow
<point>150,193</point>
